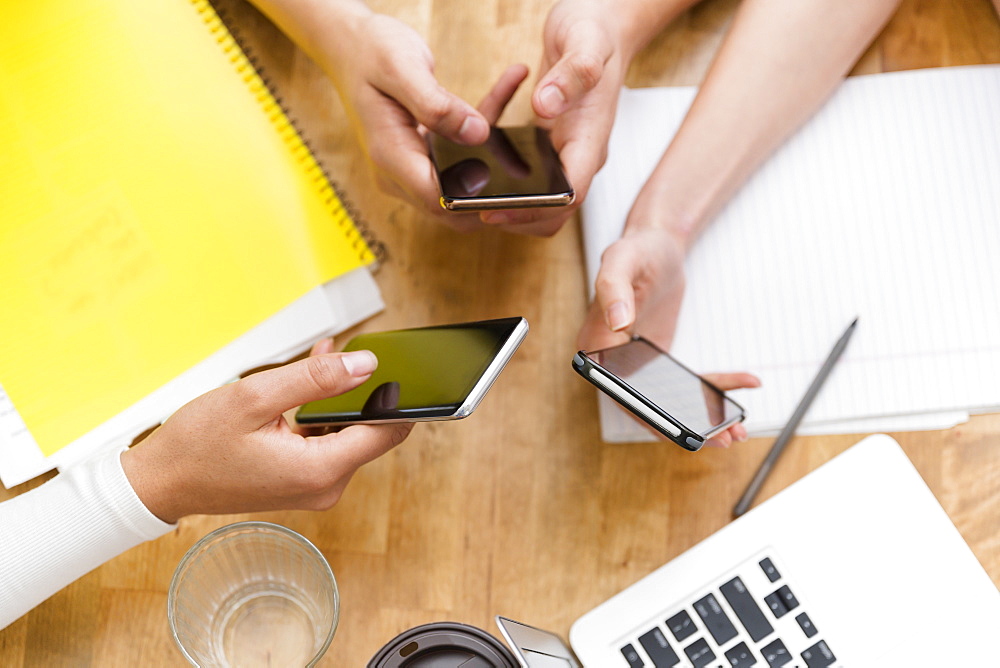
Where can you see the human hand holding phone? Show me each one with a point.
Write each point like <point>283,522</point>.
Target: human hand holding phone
<point>640,287</point>
<point>426,373</point>
<point>516,168</point>
<point>232,450</point>
<point>665,396</point>
<point>583,68</point>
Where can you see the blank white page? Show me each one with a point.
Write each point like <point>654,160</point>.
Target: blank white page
<point>886,205</point>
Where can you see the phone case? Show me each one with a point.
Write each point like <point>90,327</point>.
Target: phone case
<point>636,403</point>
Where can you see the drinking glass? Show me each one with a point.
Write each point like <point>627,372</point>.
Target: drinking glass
<point>253,594</point>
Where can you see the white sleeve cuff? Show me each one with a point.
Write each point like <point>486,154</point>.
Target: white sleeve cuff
<point>69,526</point>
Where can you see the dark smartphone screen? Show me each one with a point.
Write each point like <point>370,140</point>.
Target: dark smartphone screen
<point>518,161</point>
<point>665,382</point>
<point>422,373</point>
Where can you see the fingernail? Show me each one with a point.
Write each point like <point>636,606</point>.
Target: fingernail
<point>472,130</point>
<point>617,316</point>
<point>740,433</point>
<point>552,99</point>
<point>359,362</point>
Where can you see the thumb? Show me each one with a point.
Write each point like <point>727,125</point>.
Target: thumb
<point>266,395</point>
<point>615,295</point>
<point>579,69</point>
<point>612,313</point>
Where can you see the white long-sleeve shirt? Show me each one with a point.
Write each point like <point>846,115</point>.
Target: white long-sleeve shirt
<point>66,528</point>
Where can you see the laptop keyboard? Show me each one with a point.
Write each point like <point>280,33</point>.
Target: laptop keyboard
<point>752,617</point>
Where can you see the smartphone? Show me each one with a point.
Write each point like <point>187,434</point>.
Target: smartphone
<point>516,168</point>
<point>428,373</point>
<point>660,391</point>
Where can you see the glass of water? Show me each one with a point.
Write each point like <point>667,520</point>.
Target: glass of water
<point>253,594</point>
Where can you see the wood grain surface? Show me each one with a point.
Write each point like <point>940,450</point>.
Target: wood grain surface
<point>519,510</point>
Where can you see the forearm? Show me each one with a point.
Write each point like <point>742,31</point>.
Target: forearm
<point>641,20</point>
<point>779,63</point>
<point>64,529</point>
<point>318,27</point>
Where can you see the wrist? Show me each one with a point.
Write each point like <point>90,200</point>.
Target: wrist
<point>335,31</point>
<point>326,30</point>
<point>151,484</point>
<point>654,210</point>
<point>639,21</point>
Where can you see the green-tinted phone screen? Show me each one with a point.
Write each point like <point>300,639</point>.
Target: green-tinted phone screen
<point>426,372</point>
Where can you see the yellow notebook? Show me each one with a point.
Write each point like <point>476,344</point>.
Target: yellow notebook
<point>155,203</point>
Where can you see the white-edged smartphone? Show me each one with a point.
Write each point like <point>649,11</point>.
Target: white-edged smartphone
<point>426,373</point>
<point>656,388</point>
<point>516,168</point>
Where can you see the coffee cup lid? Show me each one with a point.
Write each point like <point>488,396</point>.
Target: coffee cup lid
<point>444,645</point>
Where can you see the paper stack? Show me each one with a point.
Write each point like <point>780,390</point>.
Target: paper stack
<point>885,206</point>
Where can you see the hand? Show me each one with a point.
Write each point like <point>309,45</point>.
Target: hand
<point>639,289</point>
<point>386,82</point>
<point>727,382</point>
<point>233,451</point>
<point>583,68</point>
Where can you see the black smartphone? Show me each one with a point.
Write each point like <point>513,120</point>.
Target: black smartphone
<point>427,373</point>
<point>516,168</point>
<point>660,391</point>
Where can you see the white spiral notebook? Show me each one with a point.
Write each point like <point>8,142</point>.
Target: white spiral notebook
<point>885,206</point>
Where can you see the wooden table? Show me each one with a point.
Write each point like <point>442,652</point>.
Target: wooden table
<point>519,510</point>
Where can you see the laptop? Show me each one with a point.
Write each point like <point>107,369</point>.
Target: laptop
<point>856,564</point>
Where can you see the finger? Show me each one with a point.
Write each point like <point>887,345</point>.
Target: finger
<point>266,395</point>
<point>579,70</point>
<point>512,219</point>
<point>322,347</point>
<point>723,440</point>
<point>435,107</point>
<point>493,104</point>
<point>595,335</point>
<point>355,446</point>
<point>739,433</point>
<point>732,381</point>
<point>614,290</point>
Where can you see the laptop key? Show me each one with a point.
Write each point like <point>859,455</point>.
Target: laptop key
<point>659,650</point>
<point>776,654</point>
<point>806,625</point>
<point>700,653</point>
<point>776,605</point>
<point>740,656</point>
<point>818,656</point>
<point>746,609</point>
<point>788,597</point>
<point>633,658</point>
<point>770,570</point>
<point>715,618</point>
<point>681,625</point>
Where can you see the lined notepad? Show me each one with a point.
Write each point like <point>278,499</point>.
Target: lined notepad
<point>885,206</point>
<point>157,203</point>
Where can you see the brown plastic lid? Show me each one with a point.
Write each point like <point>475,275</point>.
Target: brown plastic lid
<point>444,645</point>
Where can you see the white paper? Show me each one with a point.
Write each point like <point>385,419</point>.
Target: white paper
<point>885,206</point>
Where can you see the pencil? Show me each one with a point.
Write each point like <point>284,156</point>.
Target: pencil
<point>793,423</point>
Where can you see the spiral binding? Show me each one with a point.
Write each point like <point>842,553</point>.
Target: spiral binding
<point>363,240</point>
